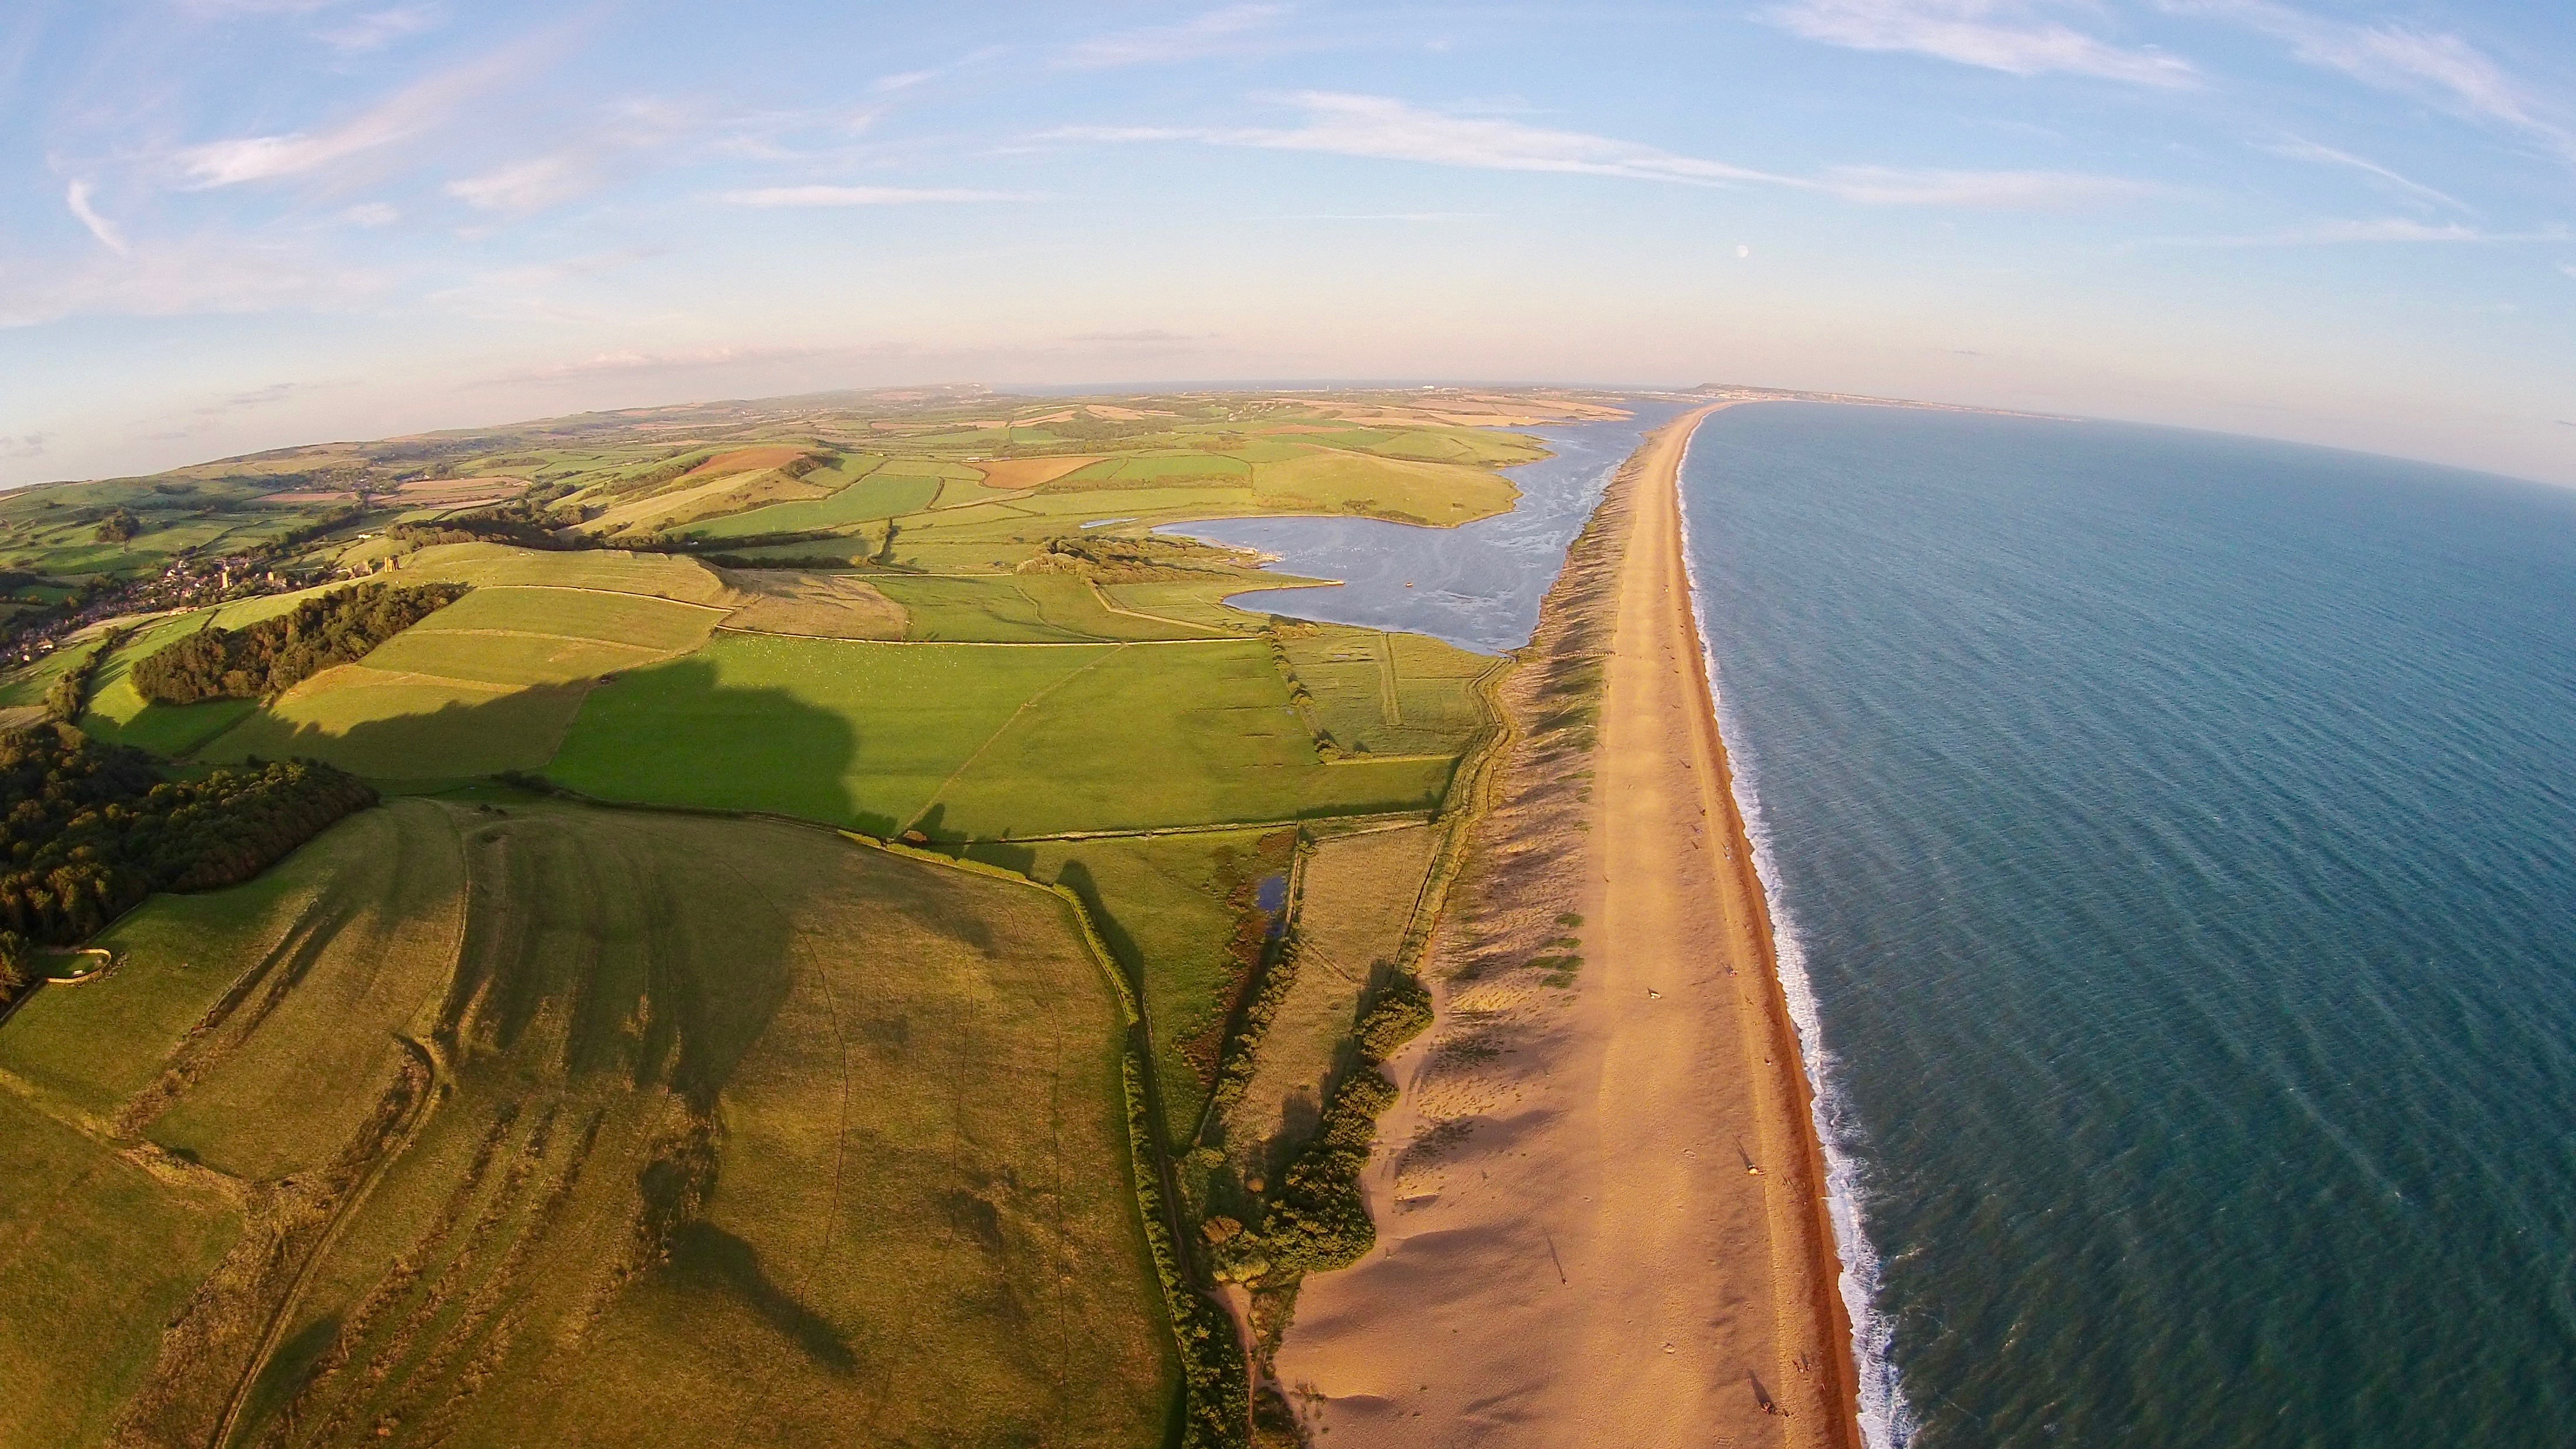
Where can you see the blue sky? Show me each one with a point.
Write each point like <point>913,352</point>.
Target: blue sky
<point>234,224</point>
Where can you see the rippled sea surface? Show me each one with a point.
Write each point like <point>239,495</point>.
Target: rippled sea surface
<point>2177,838</point>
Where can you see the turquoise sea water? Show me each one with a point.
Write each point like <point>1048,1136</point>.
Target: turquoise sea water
<point>2175,843</point>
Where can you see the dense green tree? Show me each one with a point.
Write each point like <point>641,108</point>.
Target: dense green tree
<point>275,655</point>
<point>88,830</point>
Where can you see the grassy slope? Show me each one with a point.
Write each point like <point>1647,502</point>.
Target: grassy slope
<point>95,1254</point>
<point>633,1010</point>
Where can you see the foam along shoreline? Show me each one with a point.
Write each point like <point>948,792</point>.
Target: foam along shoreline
<point>1883,1420</point>
<point>1601,1199</point>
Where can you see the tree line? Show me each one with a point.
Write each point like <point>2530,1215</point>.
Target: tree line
<point>275,655</point>
<point>88,830</point>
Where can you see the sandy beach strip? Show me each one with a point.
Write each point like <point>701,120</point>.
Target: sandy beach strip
<point>1600,1202</point>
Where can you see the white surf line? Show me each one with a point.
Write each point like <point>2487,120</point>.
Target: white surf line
<point>1885,1421</point>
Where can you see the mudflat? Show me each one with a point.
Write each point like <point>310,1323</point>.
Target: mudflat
<point>1600,1200</point>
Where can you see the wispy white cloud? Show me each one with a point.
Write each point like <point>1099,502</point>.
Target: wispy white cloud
<point>232,9</point>
<point>2298,149</point>
<point>25,445</point>
<point>1381,128</point>
<point>258,397</point>
<point>2568,267</point>
<point>1374,126</point>
<point>524,186</point>
<point>2433,66</point>
<point>212,275</point>
<point>864,195</point>
<point>379,28</point>
<point>408,114</point>
<point>533,292</point>
<point>1981,190</point>
<point>2006,35</point>
<point>77,198</point>
<point>1218,32</point>
<point>902,80</point>
<point>622,135</point>
<point>371,213</point>
<point>2393,229</point>
<point>1405,216</point>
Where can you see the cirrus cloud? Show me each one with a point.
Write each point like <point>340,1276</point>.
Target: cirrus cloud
<point>1380,128</point>
<point>778,196</point>
<point>2005,35</point>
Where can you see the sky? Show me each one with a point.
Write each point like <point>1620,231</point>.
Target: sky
<point>228,225</point>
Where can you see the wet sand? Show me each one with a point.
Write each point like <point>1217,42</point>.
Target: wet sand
<point>1599,1202</point>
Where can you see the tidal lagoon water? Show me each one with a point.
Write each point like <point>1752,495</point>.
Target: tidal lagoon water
<point>1477,586</point>
<point>2174,844</point>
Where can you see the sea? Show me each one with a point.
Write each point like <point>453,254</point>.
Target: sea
<point>2173,844</point>
<point>2172,840</point>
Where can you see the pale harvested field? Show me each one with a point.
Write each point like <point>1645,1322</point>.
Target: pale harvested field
<point>1031,472</point>
<point>828,606</point>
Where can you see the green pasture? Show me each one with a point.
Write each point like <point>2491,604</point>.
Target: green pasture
<point>495,565</point>
<point>975,740</point>
<point>1182,914</point>
<point>1153,468</point>
<point>1388,694</point>
<point>96,1254</point>
<point>1355,897</point>
<point>1018,608</point>
<point>404,727</point>
<point>636,1019</point>
<point>1421,492</point>
<point>843,731</point>
<point>1157,735</point>
<point>866,500</point>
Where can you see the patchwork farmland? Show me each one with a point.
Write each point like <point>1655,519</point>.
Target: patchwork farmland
<point>857,924</point>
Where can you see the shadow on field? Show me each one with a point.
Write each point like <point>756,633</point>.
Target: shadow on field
<point>707,1259</point>
<point>670,734</point>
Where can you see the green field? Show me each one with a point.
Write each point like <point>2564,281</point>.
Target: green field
<point>489,683</point>
<point>864,501</point>
<point>1355,897</point>
<point>567,1099</point>
<point>1023,609</point>
<point>975,740</point>
<point>635,1105</point>
<point>1182,913</point>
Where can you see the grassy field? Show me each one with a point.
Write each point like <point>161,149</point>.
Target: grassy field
<point>492,565</point>
<point>1022,609</point>
<point>1386,694</point>
<point>566,1098</point>
<point>863,501</point>
<point>1186,917</point>
<point>495,1118</point>
<point>489,683</point>
<point>981,740</point>
<point>96,1253</point>
<point>1355,897</point>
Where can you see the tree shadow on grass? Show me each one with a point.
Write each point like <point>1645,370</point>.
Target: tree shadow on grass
<point>707,1259</point>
